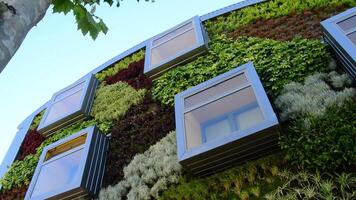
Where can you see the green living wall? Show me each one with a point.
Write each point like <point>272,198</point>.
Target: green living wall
<point>313,97</point>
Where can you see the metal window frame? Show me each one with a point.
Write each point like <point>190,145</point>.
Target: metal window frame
<point>270,118</point>
<point>90,170</point>
<point>81,112</point>
<point>342,45</point>
<point>185,55</point>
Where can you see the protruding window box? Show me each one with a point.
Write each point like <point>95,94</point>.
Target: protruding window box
<point>71,168</point>
<point>340,33</point>
<point>224,121</point>
<point>177,45</point>
<point>69,105</point>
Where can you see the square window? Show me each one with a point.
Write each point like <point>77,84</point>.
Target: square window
<point>175,46</point>
<point>225,120</point>
<point>340,34</point>
<point>71,168</point>
<point>69,105</point>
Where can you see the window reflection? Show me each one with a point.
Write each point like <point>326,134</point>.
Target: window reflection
<point>348,23</point>
<point>57,173</point>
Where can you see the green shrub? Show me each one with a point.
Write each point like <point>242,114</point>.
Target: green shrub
<point>277,63</point>
<point>267,10</point>
<point>148,173</point>
<point>112,101</point>
<point>253,179</point>
<point>323,142</point>
<point>122,64</point>
<point>20,172</point>
<point>312,97</point>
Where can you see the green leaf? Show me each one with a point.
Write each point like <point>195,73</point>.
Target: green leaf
<point>64,6</point>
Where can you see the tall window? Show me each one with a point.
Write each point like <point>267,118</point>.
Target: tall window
<point>69,105</point>
<point>215,115</point>
<point>179,44</point>
<point>72,167</point>
<point>340,33</point>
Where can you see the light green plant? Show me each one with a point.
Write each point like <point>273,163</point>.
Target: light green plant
<point>36,121</point>
<point>120,65</point>
<point>112,101</point>
<point>148,174</point>
<point>314,96</point>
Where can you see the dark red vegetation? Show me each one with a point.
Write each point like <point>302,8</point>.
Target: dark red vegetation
<point>29,145</point>
<point>133,75</point>
<point>143,126</point>
<point>305,25</point>
<point>17,193</point>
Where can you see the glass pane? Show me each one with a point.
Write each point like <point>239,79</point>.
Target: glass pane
<point>217,130</point>
<point>249,117</point>
<point>70,91</point>
<point>173,33</point>
<point>348,23</point>
<point>57,174</point>
<point>229,104</point>
<point>64,107</point>
<point>173,46</point>
<point>215,91</point>
<point>352,37</point>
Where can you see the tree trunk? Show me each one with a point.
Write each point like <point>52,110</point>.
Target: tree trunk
<point>16,22</point>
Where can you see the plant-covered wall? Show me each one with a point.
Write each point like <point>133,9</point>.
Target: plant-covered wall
<point>312,96</point>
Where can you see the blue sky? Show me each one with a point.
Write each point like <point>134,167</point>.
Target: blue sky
<point>54,54</point>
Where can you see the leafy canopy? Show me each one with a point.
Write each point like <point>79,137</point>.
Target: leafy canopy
<point>86,20</point>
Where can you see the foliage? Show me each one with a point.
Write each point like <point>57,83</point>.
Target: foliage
<point>36,121</point>
<point>142,126</point>
<point>305,24</point>
<point>312,97</point>
<point>112,101</point>
<point>32,140</point>
<point>323,142</point>
<point>304,185</point>
<point>249,181</point>
<point>277,63</point>
<point>20,172</point>
<point>133,75</point>
<point>120,65</point>
<point>148,173</point>
<point>268,10</point>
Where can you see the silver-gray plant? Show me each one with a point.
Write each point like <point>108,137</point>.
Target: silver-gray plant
<point>319,91</point>
<point>148,174</point>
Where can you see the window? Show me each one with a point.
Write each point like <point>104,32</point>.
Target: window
<point>69,105</point>
<point>340,33</point>
<point>175,46</point>
<point>71,168</point>
<point>224,120</point>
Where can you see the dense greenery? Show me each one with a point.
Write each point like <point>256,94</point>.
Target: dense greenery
<point>324,142</point>
<point>277,64</point>
<point>268,10</point>
<point>142,126</point>
<point>120,65</point>
<point>112,101</point>
<point>36,121</point>
<point>250,181</point>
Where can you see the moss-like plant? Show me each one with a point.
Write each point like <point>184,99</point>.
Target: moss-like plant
<point>36,121</point>
<point>148,173</point>
<point>120,65</point>
<point>112,101</point>
<point>277,63</point>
